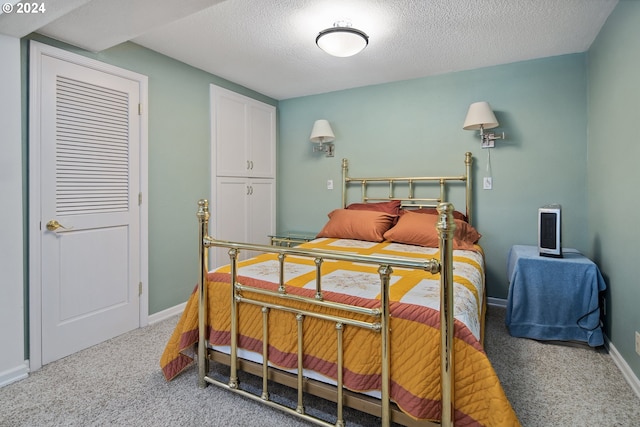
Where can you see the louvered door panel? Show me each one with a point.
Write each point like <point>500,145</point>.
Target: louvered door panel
<point>92,148</point>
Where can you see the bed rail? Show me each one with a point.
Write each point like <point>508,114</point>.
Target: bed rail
<point>379,316</point>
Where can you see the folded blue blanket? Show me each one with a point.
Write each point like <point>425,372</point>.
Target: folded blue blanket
<point>554,298</point>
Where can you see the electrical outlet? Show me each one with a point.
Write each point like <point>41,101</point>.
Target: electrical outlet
<point>329,184</point>
<point>487,183</point>
<point>638,343</point>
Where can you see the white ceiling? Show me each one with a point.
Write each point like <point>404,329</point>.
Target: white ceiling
<point>269,45</point>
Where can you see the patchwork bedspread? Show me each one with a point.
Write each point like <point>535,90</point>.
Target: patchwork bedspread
<point>415,328</point>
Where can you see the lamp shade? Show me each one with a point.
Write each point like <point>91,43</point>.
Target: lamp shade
<point>479,115</point>
<point>322,132</point>
<point>342,41</point>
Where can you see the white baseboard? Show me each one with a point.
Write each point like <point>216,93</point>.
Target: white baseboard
<point>165,314</point>
<point>12,375</point>
<point>497,302</point>
<point>627,373</point>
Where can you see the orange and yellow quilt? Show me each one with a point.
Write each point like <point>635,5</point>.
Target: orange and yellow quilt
<point>415,328</point>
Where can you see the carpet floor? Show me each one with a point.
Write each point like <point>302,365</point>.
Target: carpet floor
<point>119,383</point>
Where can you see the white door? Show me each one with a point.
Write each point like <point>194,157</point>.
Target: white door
<point>89,208</point>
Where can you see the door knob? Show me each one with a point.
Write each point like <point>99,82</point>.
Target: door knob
<point>53,225</point>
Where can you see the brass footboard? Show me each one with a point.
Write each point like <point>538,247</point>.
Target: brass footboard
<point>379,317</point>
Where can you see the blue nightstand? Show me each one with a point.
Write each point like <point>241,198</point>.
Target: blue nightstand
<point>554,298</point>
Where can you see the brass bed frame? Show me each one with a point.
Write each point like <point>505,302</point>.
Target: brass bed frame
<point>379,322</point>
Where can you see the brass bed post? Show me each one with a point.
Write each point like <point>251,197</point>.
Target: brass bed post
<point>300,325</point>
<point>345,167</point>
<point>265,352</point>
<point>468,161</point>
<point>318,263</point>
<point>385,275</point>
<point>340,384</point>
<point>203,255</point>
<point>233,374</point>
<point>446,228</point>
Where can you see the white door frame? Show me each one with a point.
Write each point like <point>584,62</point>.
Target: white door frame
<point>37,50</point>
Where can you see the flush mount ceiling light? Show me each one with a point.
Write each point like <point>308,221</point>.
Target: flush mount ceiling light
<point>342,40</point>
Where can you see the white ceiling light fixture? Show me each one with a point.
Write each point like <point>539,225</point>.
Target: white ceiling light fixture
<point>342,40</point>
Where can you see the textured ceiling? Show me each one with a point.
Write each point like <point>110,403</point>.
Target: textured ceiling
<point>268,46</point>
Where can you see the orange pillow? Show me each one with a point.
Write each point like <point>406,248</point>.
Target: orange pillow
<point>433,211</point>
<point>357,224</point>
<point>420,229</point>
<point>391,207</point>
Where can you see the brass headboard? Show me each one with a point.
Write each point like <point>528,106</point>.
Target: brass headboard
<point>410,183</point>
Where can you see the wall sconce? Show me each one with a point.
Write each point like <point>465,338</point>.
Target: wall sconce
<point>480,116</point>
<point>321,136</point>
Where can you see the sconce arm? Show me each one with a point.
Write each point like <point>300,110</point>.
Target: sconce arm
<point>489,138</point>
<point>326,147</point>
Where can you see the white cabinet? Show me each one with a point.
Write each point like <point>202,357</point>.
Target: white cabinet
<point>243,211</point>
<point>243,150</point>
<point>244,135</point>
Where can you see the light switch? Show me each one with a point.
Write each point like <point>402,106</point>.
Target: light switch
<point>487,183</point>
<point>329,184</point>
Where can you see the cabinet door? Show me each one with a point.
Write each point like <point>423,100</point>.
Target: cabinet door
<point>243,135</point>
<point>229,214</point>
<point>229,134</point>
<point>262,137</point>
<point>261,218</point>
<point>244,211</point>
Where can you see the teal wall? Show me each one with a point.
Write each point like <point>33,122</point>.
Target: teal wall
<point>613,172</point>
<point>415,128</point>
<point>179,173</point>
